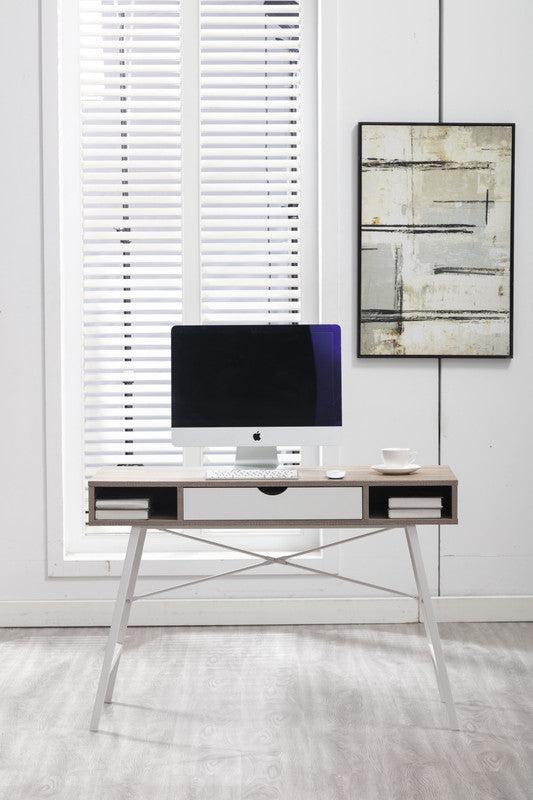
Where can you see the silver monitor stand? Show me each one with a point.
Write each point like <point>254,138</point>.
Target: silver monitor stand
<point>256,457</point>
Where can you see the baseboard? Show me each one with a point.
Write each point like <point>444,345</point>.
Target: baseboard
<point>272,611</point>
<point>509,608</point>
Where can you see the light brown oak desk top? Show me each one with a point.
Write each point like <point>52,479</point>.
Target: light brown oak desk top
<point>194,476</point>
<point>181,479</point>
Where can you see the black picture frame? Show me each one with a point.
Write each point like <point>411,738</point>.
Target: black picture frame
<point>510,352</point>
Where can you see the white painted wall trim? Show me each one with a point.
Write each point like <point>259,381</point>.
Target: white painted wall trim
<point>279,611</point>
<point>507,608</point>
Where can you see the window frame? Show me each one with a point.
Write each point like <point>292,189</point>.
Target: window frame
<point>63,295</point>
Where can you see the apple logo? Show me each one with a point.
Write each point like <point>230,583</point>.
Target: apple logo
<point>257,436</point>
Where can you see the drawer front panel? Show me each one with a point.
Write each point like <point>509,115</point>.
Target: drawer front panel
<point>320,503</point>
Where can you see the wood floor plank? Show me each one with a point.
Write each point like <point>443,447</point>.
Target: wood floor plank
<point>252,713</point>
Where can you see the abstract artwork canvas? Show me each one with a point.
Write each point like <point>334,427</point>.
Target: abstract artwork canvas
<point>436,239</point>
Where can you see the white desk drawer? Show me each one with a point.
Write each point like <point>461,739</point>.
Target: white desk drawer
<point>305,502</point>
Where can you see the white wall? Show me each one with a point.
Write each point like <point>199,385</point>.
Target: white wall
<point>487,421</point>
<point>388,70</point>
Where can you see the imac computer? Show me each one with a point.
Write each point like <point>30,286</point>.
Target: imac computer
<point>256,387</point>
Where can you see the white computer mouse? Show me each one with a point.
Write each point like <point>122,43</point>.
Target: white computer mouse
<point>335,474</point>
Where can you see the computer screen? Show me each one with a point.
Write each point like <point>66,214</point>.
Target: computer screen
<point>240,376</point>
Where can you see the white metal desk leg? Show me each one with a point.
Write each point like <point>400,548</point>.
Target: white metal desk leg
<point>119,622</point>
<point>430,624</point>
<point>126,611</point>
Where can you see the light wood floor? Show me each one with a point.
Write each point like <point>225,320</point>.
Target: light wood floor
<point>253,713</point>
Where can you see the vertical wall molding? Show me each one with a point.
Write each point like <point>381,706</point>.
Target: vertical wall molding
<point>439,360</point>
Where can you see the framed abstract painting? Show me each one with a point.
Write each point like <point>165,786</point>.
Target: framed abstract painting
<point>436,240</point>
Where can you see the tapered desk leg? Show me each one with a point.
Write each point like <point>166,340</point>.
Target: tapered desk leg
<point>430,624</point>
<point>119,623</point>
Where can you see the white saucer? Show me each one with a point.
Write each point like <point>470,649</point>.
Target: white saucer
<point>396,470</point>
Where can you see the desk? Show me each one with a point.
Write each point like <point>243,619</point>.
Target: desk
<point>182,501</point>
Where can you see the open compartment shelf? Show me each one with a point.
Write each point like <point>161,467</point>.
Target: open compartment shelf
<point>378,498</point>
<point>163,499</point>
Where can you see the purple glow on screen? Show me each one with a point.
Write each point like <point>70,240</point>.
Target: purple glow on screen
<point>326,344</point>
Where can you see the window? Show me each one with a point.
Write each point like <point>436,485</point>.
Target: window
<point>188,193</point>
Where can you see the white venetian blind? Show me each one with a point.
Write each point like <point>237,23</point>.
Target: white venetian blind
<point>250,160</point>
<point>249,111</point>
<point>131,195</point>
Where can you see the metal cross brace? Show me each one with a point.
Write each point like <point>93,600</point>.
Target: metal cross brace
<point>264,559</point>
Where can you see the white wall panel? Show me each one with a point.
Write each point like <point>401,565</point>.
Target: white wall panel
<point>22,510</point>
<point>388,71</point>
<point>487,420</point>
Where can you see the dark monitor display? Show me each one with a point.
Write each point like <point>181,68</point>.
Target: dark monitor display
<point>256,375</point>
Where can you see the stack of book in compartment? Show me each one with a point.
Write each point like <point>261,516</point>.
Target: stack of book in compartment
<point>123,508</point>
<point>415,507</point>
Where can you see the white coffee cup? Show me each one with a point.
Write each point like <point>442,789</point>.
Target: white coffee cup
<point>398,456</point>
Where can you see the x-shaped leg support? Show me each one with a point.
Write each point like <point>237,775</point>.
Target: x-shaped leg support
<point>264,559</point>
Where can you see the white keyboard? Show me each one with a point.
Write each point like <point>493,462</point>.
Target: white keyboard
<point>243,474</point>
